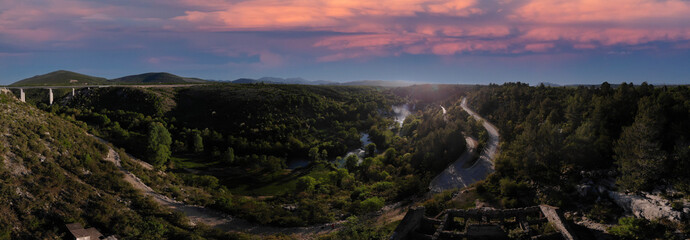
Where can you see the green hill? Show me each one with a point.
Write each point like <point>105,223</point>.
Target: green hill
<point>159,77</point>
<point>61,77</point>
<point>52,173</point>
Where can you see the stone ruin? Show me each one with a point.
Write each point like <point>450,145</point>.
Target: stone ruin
<point>483,223</point>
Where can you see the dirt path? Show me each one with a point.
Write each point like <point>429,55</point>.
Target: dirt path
<point>457,176</point>
<point>199,214</point>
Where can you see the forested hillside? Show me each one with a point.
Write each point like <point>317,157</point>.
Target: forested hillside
<point>224,142</point>
<point>155,78</point>
<point>228,147</point>
<point>53,173</point>
<point>557,140</point>
<point>60,77</point>
<point>640,131</point>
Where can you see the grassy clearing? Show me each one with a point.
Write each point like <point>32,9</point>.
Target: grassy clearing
<point>276,183</point>
<point>192,162</point>
<point>240,181</point>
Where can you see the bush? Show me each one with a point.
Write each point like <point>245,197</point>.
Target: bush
<point>305,184</point>
<point>371,204</point>
<point>633,228</point>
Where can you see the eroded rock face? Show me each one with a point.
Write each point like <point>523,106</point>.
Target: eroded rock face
<point>646,207</point>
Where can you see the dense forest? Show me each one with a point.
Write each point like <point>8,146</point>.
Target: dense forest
<point>555,139</point>
<point>552,134</point>
<point>228,147</point>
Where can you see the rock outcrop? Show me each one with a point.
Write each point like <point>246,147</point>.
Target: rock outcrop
<point>650,207</point>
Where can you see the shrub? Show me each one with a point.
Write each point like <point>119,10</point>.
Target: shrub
<point>630,228</point>
<point>371,204</point>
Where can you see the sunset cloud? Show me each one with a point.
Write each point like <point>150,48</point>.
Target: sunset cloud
<point>448,27</point>
<point>280,32</point>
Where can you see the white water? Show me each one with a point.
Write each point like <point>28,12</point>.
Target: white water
<point>444,110</point>
<point>401,112</point>
<point>359,152</point>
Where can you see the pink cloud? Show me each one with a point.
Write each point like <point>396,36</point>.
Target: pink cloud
<point>325,15</point>
<point>355,29</point>
<point>619,11</point>
<point>535,26</point>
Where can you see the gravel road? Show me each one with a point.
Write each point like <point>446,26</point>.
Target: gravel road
<point>456,176</point>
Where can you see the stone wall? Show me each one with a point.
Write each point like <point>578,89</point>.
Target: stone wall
<point>415,224</point>
<point>557,220</point>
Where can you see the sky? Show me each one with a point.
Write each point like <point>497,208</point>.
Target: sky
<point>440,41</point>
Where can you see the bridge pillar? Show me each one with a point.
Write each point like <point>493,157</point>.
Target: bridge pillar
<point>22,96</point>
<point>50,95</point>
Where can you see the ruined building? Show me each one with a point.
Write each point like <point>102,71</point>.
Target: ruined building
<point>538,222</point>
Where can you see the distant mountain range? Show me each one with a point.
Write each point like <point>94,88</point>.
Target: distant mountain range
<point>302,81</point>
<point>63,77</point>
<point>275,80</point>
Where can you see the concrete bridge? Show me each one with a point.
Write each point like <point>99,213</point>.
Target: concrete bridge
<point>22,96</point>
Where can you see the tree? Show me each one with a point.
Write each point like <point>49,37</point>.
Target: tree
<point>638,151</point>
<point>314,154</point>
<point>159,141</point>
<point>229,156</point>
<point>272,164</point>
<point>197,142</point>
<point>371,204</point>
<point>351,162</point>
<point>631,228</point>
<point>306,184</point>
<point>371,149</point>
<point>337,176</point>
<point>324,154</point>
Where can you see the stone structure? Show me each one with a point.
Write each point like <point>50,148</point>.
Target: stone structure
<point>22,96</point>
<point>483,223</point>
<point>4,90</point>
<point>79,233</point>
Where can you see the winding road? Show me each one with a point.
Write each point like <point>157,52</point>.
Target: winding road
<point>456,176</point>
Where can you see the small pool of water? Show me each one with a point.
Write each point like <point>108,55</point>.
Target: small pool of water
<point>300,162</point>
<point>297,163</point>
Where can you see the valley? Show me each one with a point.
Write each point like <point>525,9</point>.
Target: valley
<point>319,162</point>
